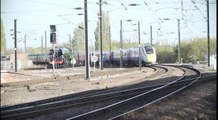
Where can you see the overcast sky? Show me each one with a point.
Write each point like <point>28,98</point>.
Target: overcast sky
<point>35,16</point>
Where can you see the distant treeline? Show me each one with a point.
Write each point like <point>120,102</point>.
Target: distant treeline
<point>190,51</point>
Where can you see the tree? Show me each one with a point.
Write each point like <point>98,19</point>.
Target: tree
<point>166,53</point>
<point>196,49</point>
<point>105,33</point>
<point>78,42</point>
<point>3,40</point>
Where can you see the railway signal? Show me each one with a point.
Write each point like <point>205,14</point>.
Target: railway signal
<point>53,41</point>
<point>52,34</point>
<point>52,28</point>
<point>52,38</point>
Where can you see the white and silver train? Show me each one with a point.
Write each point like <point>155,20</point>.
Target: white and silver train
<point>130,57</point>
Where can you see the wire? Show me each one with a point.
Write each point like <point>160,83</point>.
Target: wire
<point>152,11</point>
<point>47,3</point>
<point>67,20</point>
<point>198,9</point>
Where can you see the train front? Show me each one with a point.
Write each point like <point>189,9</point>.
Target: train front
<point>149,55</point>
<point>58,57</point>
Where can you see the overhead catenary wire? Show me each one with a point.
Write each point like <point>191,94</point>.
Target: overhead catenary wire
<point>122,12</point>
<point>198,9</point>
<point>153,11</point>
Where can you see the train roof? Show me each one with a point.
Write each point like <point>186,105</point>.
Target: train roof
<point>41,54</point>
<point>149,45</point>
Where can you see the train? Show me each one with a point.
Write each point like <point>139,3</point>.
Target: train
<point>65,57</point>
<point>61,57</point>
<point>39,59</point>
<point>130,57</point>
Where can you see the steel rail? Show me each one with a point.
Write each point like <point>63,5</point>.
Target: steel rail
<point>156,72</point>
<point>56,106</point>
<point>61,97</point>
<point>193,80</point>
<point>30,109</point>
<point>103,112</point>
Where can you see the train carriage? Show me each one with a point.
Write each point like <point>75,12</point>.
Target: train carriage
<point>39,59</point>
<point>130,57</point>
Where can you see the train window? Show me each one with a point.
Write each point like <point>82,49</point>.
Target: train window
<point>51,52</point>
<point>149,50</point>
<point>3,58</point>
<point>58,52</point>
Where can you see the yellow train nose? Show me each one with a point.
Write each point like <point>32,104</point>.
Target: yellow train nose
<point>151,58</point>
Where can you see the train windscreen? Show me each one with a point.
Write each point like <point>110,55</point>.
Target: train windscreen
<point>149,50</point>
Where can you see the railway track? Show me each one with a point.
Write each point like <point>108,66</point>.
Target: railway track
<point>17,108</point>
<point>114,99</point>
<point>46,76</point>
<point>139,101</point>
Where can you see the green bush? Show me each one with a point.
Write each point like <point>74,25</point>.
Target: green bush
<point>190,51</point>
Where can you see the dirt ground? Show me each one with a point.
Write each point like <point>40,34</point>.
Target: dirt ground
<point>196,103</point>
<point>199,103</point>
<point>75,82</point>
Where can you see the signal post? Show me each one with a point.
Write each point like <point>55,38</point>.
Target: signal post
<point>53,42</point>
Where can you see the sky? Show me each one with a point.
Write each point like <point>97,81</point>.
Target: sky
<point>34,18</point>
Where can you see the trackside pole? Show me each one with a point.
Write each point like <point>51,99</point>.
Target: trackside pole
<point>92,59</point>
<point>53,41</point>
<point>53,59</point>
<point>94,66</point>
<point>73,66</point>
<point>73,61</point>
<point>87,64</point>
